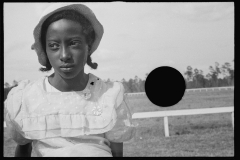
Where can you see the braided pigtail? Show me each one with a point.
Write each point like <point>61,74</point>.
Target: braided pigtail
<point>90,63</point>
<point>47,68</point>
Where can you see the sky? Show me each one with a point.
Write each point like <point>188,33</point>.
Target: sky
<point>138,37</point>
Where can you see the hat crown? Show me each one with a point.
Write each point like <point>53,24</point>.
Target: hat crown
<point>53,7</point>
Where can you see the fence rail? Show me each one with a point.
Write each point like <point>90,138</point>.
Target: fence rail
<point>189,90</point>
<point>166,114</point>
<point>210,89</point>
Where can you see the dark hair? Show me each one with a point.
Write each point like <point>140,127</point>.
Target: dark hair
<point>87,30</point>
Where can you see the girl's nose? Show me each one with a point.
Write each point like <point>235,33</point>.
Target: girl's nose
<point>65,54</point>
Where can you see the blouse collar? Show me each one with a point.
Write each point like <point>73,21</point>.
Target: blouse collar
<point>49,88</point>
<point>90,84</point>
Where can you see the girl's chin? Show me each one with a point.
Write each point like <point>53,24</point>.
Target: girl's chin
<point>69,75</point>
<point>66,73</point>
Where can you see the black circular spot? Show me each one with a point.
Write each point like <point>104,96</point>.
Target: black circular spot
<point>165,86</point>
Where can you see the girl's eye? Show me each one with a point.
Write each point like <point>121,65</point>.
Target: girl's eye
<point>75,43</point>
<point>53,45</point>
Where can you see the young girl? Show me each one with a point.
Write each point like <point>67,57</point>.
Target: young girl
<point>69,113</point>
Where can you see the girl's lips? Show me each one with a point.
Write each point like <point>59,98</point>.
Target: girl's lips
<point>68,65</point>
<point>69,69</point>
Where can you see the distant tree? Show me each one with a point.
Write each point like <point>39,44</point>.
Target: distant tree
<point>142,85</point>
<point>15,83</point>
<point>232,77</point>
<point>123,80</point>
<point>217,68</point>
<point>225,73</point>
<point>6,85</point>
<point>196,78</point>
<point>189,73</point>
<point>108,80</point>
<point>136,79</point>
<point>201,79</point>
<point>136,84</point>
<point>208,80</point>
<point>125,84</point>
<point>131,86</point>
<point>228,73</point>
<point>214,73</point>
<point>218,71</point>
<point>189,77</point>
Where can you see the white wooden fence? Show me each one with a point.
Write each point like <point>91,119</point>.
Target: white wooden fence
<point>188,90</point>
<point>166,114</point>
<point>210,89</point>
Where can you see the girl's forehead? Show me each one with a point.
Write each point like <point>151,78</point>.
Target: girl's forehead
<point>64,29</point>
<point>65,25</point>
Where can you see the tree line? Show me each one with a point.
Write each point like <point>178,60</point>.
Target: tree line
<point>194,79</point>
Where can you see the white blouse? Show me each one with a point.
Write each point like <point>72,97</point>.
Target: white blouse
<point>71,124</point>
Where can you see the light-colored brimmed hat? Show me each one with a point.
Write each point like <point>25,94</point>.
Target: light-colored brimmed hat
<point>80,8</point>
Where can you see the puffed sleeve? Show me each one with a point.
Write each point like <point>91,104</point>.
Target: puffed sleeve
<point>12,106</point>
<point>123,129</point>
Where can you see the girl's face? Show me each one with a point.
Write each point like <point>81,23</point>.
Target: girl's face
<point>66,48</point>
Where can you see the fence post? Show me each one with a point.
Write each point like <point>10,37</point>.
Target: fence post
<point>166,129</point>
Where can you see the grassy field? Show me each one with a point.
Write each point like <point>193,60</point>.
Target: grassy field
<point>196,135</point>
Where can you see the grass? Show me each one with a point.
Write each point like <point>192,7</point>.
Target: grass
<point>190,136</point>
<point>186,141</point>
<point>191,100</point>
